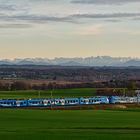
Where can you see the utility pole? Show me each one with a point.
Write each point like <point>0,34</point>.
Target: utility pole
<point>39,94</point>
<point>138,95</point>
<point>53,86</point>
<point>51,99</point>
<point>124,92</point>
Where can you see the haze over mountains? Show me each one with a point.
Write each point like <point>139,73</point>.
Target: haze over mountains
<point>88,61</point>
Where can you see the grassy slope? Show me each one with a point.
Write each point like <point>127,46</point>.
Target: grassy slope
<point>69,125</point>
<point>44,94</point>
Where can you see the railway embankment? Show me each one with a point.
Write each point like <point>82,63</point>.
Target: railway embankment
<point>119,107</point>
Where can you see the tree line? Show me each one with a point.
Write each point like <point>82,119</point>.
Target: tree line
<point>28,85</point>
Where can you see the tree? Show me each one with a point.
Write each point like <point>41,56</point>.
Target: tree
<point>19,85</point>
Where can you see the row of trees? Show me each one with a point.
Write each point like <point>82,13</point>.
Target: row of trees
<point>26,85</point>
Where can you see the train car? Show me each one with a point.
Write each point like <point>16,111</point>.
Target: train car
<point>71,101</point>
<point>123,100</point>
<point>7,103</point>
<point>35,103</point>
<point>94,100</point>
<point>13,103</point>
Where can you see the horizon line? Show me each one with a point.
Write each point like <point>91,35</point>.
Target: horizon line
<point>12,59</point>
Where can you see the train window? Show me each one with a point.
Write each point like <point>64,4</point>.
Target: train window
<point>56,101</point>
<point>90,101</point>
<point>63,101</point>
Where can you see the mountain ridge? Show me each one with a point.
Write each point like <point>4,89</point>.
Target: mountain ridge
<point>76,61</point>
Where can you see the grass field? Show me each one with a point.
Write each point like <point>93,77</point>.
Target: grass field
<point>69,125</point>
<point>78,92</point>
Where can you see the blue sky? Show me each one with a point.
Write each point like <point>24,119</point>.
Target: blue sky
<point>69,28</point>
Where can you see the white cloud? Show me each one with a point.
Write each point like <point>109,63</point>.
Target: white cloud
<point>102,2</point>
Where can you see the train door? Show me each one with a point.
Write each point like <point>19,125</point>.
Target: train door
<point>45,102</point>
<point>18,103</point>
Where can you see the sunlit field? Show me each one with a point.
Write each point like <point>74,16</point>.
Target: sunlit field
<point>23,124</point>
<point>56,93</point>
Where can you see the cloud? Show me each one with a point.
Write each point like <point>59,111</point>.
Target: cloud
<point>102,2</point>
<point>107,16</point>
<point>32,13</point>
<point>14,25</point>
<point>7,8</point>
<point>35,18</point>
<point>74,18</point>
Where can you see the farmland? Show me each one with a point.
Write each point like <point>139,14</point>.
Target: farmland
<point>76,125</point>
<point>77,92</point>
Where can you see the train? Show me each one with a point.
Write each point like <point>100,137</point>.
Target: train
<point>11,103</point>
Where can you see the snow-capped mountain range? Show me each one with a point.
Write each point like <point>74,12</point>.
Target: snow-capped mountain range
<point>88,61</point>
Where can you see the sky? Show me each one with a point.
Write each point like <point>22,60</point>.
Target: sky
<point>69,28</point>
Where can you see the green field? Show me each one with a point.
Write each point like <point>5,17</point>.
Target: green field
<point>78,92</point>
<point>69,125</point>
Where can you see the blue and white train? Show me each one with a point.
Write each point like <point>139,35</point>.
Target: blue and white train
<point>67,101</point>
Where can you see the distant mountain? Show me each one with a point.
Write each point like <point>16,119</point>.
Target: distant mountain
<point>71,63</point>
<point>88,61</point>
<point>132,63</point>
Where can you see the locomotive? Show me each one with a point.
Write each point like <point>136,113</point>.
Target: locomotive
<point>5,103</point>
